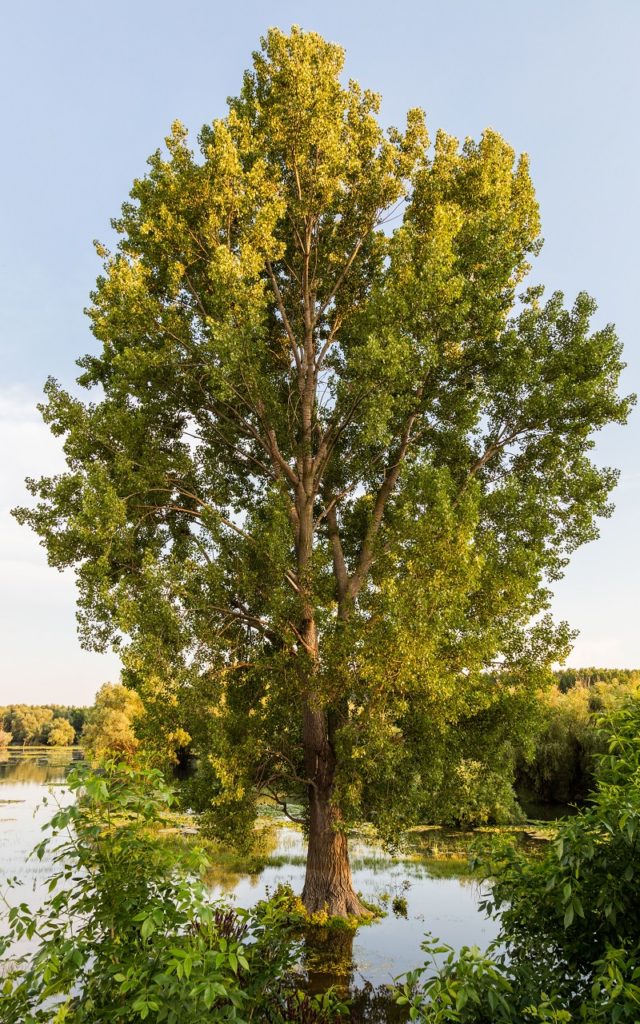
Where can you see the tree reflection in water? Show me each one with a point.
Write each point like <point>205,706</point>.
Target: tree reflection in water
<point>328,962</point>
<point>44,766</point>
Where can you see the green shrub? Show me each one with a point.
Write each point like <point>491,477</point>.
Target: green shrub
<point>561,767</point>
<point>476,794</point>
<point>128,931</point>
<point>569,945</point>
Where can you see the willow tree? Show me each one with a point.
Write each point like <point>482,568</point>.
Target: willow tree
<point>330,468</point>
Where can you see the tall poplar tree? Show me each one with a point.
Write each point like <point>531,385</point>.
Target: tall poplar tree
<point>330,467</point>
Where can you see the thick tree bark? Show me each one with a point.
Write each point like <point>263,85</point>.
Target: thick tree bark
<point>328,884</point>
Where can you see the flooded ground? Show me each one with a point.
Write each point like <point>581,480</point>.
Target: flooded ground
<point>440,897</point>
<point>446,906</point>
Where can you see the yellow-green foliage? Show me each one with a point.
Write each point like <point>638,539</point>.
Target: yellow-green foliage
<point>110,728</point>
<point>561,769</point>
<point>60,733</point>
<point>321,921</point>
<point>39,725</point>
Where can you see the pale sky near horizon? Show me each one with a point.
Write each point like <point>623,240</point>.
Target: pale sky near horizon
<point>88,91</point>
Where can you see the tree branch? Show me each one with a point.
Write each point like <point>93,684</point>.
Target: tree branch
<point>238,613</point>
<point>331,436</point>
<point>345,270</point>
<point>339,565</point>
<point>282,803</point>
<point>335,327</point>
<point>387,487</point>
<point>283,313</point>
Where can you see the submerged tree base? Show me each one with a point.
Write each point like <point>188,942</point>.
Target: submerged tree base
<point>328,885</point>
<point>341,902</point>
<point>322,918</point>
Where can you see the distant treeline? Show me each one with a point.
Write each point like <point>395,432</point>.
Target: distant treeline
<point>553,765</point>
<point>566,678</point>
<point>52,725</point>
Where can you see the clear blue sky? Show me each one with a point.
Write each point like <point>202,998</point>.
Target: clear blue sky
<point>89,90</point>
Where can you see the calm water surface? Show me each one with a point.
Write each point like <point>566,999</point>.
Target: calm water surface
<point>27,779</point>
<point>447,907</point>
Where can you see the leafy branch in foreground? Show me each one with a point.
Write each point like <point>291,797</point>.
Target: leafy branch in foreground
<point>128,931</point>
<point>569,944</point>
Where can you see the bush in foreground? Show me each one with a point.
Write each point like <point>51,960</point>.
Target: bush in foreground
<point>128,931</point>
<point>569,945</point>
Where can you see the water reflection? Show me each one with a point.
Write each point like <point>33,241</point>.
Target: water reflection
<point>41,765</point>
<point>328,959</point>
<point>31,783</point>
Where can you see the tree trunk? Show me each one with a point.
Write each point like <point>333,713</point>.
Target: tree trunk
<point>328,884</point>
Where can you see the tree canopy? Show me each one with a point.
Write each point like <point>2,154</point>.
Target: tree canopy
<point>60,733</point>
<point>337,452</point>
<point>110,727</point>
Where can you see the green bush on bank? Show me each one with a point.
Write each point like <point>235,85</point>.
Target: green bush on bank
<point>569,944</point>
<point>128,931</point>
<point>560,767</point>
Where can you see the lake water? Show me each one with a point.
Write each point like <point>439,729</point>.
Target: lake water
<point>446,906</point>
